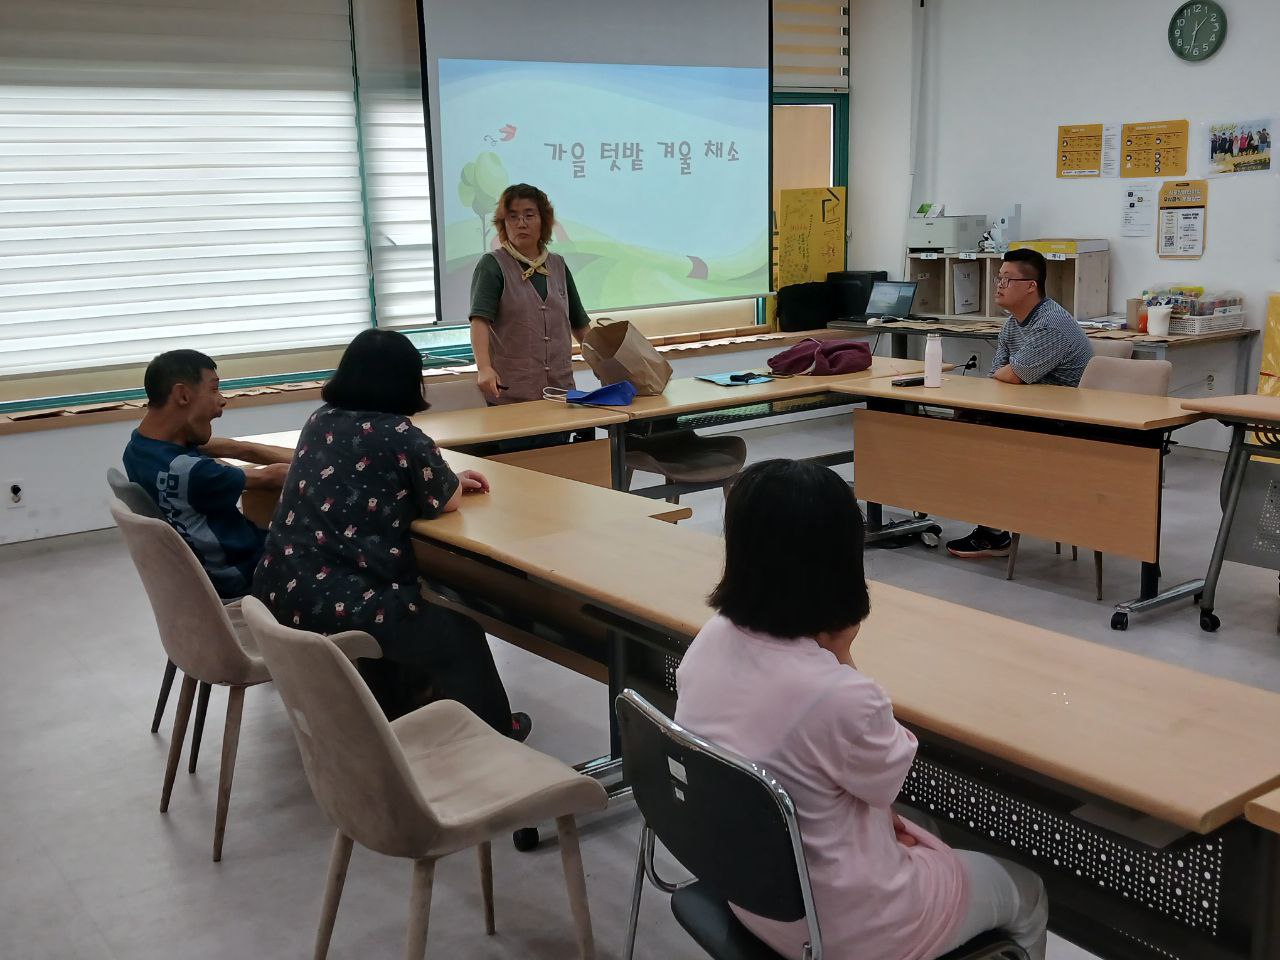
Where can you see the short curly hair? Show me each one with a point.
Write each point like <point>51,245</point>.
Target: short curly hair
<point>525,191</point>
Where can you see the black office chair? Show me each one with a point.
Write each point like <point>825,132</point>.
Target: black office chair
<point>732,826</point>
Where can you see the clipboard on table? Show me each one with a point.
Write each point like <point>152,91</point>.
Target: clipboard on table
<point>737,378</point>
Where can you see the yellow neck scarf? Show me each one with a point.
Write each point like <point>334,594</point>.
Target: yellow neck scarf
<point>530,266</point>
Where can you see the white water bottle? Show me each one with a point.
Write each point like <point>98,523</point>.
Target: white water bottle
<point>933,360</point>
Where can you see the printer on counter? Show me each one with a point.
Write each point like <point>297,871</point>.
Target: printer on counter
<point>945,234</point>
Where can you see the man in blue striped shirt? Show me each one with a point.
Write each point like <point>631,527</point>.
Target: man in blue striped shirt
<point>1040,342</point>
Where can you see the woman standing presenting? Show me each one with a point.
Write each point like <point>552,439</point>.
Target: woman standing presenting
<point>523,304</point>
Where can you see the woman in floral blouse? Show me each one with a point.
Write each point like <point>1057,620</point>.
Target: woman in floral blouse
<point>339,557</point>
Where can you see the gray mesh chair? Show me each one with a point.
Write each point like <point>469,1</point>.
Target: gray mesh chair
<point>732,826</point>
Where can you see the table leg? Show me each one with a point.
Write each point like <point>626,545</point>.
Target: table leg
<point>1266,924</point>
<point>618,456</point>
<point>1233,479</point>
<point>1244,349</point>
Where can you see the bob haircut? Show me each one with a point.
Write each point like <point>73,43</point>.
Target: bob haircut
<point>380,371</point>
<point>793,552</point>
<point>525,191</point>
<point>167,370</point>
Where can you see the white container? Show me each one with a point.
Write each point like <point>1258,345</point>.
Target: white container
<point>933,360</point>
<point>1158,321</point>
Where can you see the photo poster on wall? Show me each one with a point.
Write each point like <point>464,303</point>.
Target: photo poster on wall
<point>811,234</point>
<point>1237,146</point>
<point>1184,212</point>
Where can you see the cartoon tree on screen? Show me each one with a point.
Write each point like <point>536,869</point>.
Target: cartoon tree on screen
<point>479,186</point>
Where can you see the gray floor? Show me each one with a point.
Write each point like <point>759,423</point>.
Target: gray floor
<point>89,869</point>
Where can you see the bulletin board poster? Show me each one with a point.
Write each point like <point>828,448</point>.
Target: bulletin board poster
<point>1155,149</point>
<point>810,234</point>
<point>1238,146</point>
<point>1184,214</point>
<point>1080,151</point>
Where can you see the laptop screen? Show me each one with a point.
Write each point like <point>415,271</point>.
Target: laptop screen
<point>891,298</point>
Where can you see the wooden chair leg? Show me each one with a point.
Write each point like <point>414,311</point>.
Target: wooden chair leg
<point>1014,542</point>
<point>170,668</point>
<point>197,729</point>
<point>485,851</point>
<point>424,872</point>
<point>1097,571</point>
<point>338,862</point>
<point>230,743</point>
<point>576,882</point>
<point>185,695</point>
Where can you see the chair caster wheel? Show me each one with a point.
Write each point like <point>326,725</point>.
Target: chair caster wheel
<point>1119,621</point>
<point>1209,621</point>
<point>930,539</point>
<point>525,839</point>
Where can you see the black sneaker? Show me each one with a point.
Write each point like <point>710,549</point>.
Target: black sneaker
<point>521,727</point>
<point>983,542</point>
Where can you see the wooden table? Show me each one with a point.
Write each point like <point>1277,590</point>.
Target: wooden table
<point>1245,414</point>
<point>690,403</point>
<point>1077,466</point>
<point>989,329</point>
<point>1265,811</point>
<point>1124,781</point>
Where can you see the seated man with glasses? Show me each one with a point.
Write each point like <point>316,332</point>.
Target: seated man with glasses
<point>1040,342</point>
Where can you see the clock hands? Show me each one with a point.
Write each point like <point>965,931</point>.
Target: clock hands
<point>1195,31</point>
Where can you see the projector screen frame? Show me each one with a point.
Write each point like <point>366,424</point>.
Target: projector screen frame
<point>435,201</point>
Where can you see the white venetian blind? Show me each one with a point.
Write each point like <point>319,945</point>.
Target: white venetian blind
<point>176,173</point>
<point>399,191</point>
<point>811,45</point>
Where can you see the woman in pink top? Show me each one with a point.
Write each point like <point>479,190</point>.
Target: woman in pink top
<point>772,677</point>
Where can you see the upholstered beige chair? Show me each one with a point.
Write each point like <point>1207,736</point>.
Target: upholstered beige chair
<point>137,500</point>
<point>1149,377</point>
<point>201,638</point>
<point>687,457</point>
<point>431,783</point>
<point>1112,348</point>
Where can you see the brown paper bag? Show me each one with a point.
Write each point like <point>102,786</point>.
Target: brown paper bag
<point>615,350</point>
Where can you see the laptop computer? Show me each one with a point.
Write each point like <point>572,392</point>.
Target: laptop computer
<point>889,298</point>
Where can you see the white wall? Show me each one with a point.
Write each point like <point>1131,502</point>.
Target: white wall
<point>882,68</point>
<point>1000,75</point>
<point>996,77</point>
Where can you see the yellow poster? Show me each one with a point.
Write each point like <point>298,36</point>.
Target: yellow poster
<point>1269,375</point>
<point>1080,150</point>
<point>810,234</point>
<point>1184,215</point>
<point>1156,149</point>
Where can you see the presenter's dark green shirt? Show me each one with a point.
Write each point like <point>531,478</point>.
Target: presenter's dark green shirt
<point>487,285</point>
